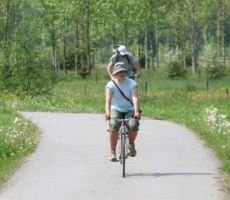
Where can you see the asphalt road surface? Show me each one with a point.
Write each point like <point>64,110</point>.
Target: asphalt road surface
<point>71,163</point>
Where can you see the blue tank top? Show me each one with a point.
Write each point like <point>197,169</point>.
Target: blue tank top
<point>118,102</point>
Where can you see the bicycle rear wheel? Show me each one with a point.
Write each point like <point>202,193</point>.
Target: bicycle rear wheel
<point>123,154</point>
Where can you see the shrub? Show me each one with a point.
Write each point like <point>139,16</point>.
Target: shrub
<point>227,70</point>
<point>214,70</point>
<point>190,88</point>
<point>176,70</point>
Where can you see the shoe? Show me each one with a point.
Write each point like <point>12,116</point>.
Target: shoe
<point>113,157</point>
<point>132,150</point>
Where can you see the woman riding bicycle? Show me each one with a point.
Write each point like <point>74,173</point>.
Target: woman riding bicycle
<point>118,105</point>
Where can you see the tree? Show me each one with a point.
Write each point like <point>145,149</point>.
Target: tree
<point>8,22</point>
<point>70,32</point>
<point>30,74</point>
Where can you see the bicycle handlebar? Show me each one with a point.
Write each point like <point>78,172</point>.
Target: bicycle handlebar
<point>120,120</point>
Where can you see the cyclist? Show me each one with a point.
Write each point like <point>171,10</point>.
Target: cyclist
<point>120,54</point>
<point>117,106</point>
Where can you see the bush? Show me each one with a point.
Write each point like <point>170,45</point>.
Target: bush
<point>176,70</point>
<point>227,70</point>
<point>214,70</point>
<point>214,67</point>
<point>190,88</point>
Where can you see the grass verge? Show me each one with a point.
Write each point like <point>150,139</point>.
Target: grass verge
<point>18,138</point>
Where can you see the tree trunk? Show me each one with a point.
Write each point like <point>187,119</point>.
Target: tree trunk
<point>137,49</point>
<point>82,47</point>
<point>221,31</point>
<point>152,48</point>
<point>64,54</point>
<point>146,50</point>
<point>224,45</point>
<point>157,48</point>
<point>7,19</point>
<point>88,36</point>
<point>169,43</point>
<point>218,37</point>
<point>64,48</point>
<point>6,40</point>
<point>15,26</point>
<point>76,47</point>
<point>54,50</point>
<point>193,48</point>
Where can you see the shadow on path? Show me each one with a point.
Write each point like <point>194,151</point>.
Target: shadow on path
<point>143,174</point>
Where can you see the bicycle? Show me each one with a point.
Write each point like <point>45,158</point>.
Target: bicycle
<point>122,138</point>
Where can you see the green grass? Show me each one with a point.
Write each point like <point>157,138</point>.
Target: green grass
<point>8,167</point>
<point>183,101</point>
<point>18,138</point>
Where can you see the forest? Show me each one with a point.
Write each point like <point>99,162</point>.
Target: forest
<point>41,38</point>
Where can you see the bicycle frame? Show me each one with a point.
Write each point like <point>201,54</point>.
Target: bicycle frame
<point>122,137</point>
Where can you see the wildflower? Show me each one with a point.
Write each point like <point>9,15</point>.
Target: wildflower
<point>16,120</point>
<point>14,104</point>
<point>216,121</point>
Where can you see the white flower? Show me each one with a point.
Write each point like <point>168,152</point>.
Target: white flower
<point>16,120</point>
<point>211,118</point>
<point>14,104</point>
<point>215,121</point>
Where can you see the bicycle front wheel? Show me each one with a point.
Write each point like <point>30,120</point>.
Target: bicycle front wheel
<point>123,154</point>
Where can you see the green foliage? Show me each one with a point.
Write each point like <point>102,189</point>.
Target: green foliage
<point>28,72</point>
<point>227,70</point>
<point>176,70</point>
<point>214,70</point>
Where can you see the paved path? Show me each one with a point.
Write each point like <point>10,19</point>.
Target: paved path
<point>71,163</point>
